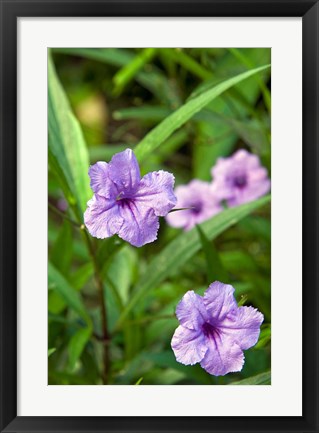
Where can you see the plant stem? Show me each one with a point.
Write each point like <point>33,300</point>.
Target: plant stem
<point>105,339</point>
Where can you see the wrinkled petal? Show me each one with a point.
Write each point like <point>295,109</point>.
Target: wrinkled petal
<point>240,178</point>
<point>156,191</point>
<point>102,217</point>
<point>188,345</point>
<point>223,355</point>
<point>191,311</point>
<point>246,159</point>
<point>140,223</point>
<point>219,300</point>
<point>252,192</point>
<point>100,182</point>
<point>124,171</point>
<point>243,326</point>
<point>201,200</point>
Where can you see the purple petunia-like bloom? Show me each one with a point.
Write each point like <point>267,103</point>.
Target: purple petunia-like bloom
<point>214,330</point>
<point>126,204</point>
<point>239,178</point>
<point>201,201</point>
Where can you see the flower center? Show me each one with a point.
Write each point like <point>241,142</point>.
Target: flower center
<point>209,330</point>
<point>196,208</point>
<point>240,181</point>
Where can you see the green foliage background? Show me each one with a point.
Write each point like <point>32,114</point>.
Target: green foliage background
<point>179,110</point>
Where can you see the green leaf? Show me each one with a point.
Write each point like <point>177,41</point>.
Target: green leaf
<point>68,155</point>
<point>215,268</point>
<point>128,72</point>
<point>146,112</point>
<point>139,381</point>
<point>153,80</point>
<point>184,113</point>
<point>259,379</point>
<point>80,277</point>
<point>188,62</point>
<point>51,351</point>
<point>61,254</point>
<point>67,292</point>
<point>264,338</point>
<point>111,56</point>
<point>238,261</point>
<point>257,226</point>
<point>167,360</point>
<point>56,303</point>
<point>182,248</point>
<point>77,345</point>
<point>239,54</point>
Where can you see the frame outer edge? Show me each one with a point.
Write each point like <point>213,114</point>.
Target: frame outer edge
<point>8,219</point>
<point>310,215</point>
<point>8,179</point>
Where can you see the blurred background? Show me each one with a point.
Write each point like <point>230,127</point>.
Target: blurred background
<point>118,95</point>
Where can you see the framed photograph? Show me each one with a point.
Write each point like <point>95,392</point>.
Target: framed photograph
<point>159,230</point>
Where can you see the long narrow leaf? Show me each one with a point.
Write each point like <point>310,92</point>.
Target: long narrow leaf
<point>215,268</point>
<point>68,155</point>
<point>67,292</point>
<point>77,345</point>
<point>128,72</point>
<point>184,113</point>
<point>259,379</point>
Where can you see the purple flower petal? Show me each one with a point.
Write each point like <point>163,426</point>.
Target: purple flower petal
<point>255,191</point>
<point>200,198</point>
<point>248,160</point>
<point>243,326</point>
<point>156,190</point>
<point>102,217</point>
<point>140,224</point>
<point>100,181</point>
<point>223,355</point>
<point>126,204</point>
<point>216,323</point>
<point>191,311</point>
<point>188,345</point>
<point>124,171</point>
<point>219,300</point>
<point>240,178</point>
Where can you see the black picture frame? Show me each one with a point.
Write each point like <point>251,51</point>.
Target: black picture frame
<point>10,11</point>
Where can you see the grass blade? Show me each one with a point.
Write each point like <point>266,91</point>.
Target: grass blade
<point>259,379</point>
<point>67,292</point>
<point>161,132</point>
<point>68,155</point>
<point>128,72</point>
<point>215,268</point>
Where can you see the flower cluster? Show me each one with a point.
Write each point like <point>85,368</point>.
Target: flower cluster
<point>214,331</point>
<point>126,204</point>
<point>236,180</point>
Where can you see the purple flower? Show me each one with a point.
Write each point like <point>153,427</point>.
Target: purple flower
<point>239,178</point>
<point>214,330</point>
<point>126,204</point>
<point>198,196</point>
